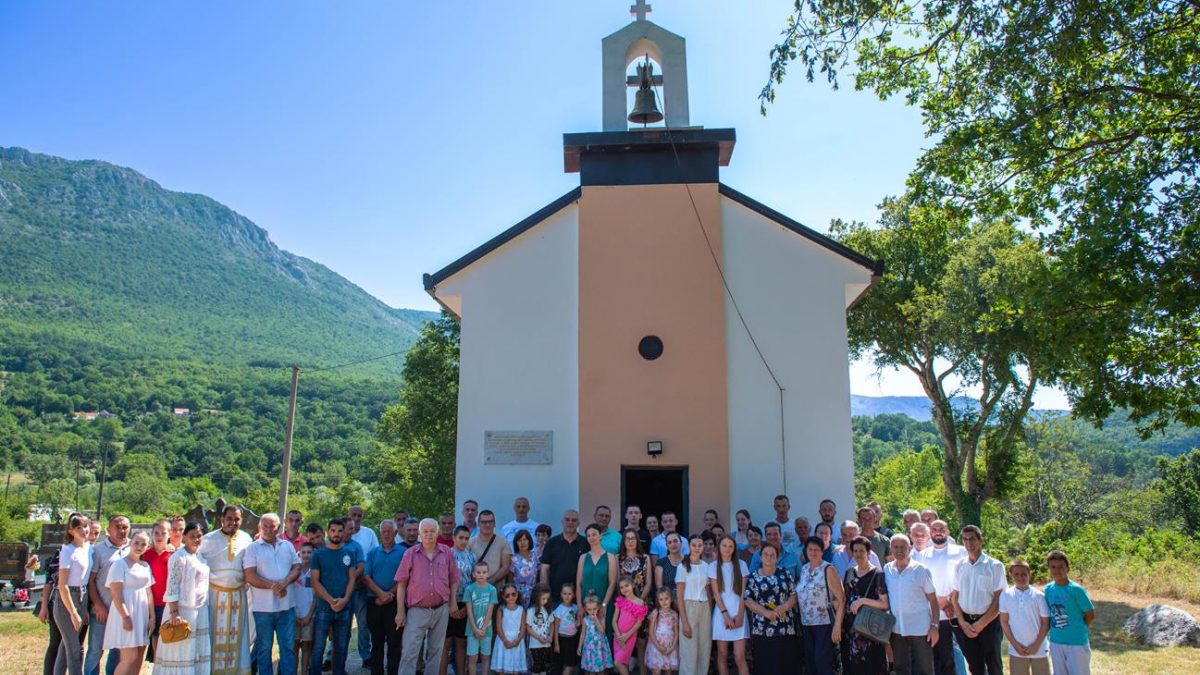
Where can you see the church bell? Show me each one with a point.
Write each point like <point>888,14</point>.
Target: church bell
<point>645,107</point>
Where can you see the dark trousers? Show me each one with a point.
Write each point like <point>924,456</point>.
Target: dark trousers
<point>943,651</point>
<point>819,653</point>
<point>774,654</point>
<point>55,640</point>
<point>983,652</point>
<point>382,621</point>
<point>913,655</point>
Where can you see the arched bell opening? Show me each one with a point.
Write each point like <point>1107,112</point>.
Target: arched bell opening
<point>645,96</point>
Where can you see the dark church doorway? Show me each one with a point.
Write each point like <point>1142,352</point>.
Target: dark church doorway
<point>655,489</point>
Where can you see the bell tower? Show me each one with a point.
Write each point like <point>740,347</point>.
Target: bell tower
<point>642,38</point>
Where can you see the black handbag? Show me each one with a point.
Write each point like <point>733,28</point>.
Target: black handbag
<point>874,624</point>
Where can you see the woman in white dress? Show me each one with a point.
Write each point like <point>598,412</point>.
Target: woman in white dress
<point>187,600</point>
<point>727,579</point>
<point>132,612</point>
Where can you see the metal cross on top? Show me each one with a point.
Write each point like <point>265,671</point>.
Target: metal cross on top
<point>640,10</point>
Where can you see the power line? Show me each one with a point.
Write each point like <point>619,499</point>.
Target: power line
<point>355,363</point>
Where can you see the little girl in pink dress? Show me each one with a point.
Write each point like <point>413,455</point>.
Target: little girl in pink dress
<point>630,612</point>
<point>662,654</point>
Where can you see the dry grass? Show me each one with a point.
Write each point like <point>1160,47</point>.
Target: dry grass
<point>24,640</point>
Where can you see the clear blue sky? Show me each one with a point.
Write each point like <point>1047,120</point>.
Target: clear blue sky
<point>386,139</point>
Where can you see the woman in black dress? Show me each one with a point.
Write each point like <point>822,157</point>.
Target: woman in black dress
<point>865,586</point>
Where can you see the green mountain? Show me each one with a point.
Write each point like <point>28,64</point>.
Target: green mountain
<point>99,255</point>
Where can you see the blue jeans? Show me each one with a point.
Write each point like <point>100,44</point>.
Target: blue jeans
<point>95,649</point>
<point>280,626</point>
<point>326,623</point>
<point>360,617</point>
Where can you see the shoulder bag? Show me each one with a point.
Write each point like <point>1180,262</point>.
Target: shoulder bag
<point>873,623</point>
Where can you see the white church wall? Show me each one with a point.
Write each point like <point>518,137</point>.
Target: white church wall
<point>792,293</point>
<point>519,372</point>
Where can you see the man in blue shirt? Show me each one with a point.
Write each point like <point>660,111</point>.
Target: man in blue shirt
<point>380,580</point>
<point>1071,615</point>
<point>773,533</point>
<point>335,570</point>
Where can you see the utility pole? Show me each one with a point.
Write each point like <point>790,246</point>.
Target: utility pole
<point>100,496</point>
<point>287,444</point>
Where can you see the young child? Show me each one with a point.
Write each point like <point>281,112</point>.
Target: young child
<point>508,655</point>
<point>1071,614</point>
<point>1025,620</point>
<point>480,599</point>
<point>565,632</point>
<point>662,654</point>
<point>596,656</point>
<point>538,624</point>
<point>302,592</point>
<point>628,614</point>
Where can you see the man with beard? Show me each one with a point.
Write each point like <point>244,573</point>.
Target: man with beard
<point>941,558</point>
<point>229,621</point>
<point>335,572</point>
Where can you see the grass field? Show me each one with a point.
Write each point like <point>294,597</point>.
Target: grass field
<point>24,641</point>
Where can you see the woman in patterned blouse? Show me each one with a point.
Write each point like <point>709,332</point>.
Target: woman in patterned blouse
<point>770,598</point>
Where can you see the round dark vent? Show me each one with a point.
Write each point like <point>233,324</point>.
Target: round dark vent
<point>651,347</point>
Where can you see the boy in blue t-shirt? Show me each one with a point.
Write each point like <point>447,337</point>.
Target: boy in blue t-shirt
<point>1071,614</point>
<point>480,599</point>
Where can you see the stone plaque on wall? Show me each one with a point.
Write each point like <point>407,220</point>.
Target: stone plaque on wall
<point>518,447</point>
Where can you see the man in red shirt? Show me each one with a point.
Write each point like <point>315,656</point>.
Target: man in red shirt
<point>426,592</point>
<point>291,529</point>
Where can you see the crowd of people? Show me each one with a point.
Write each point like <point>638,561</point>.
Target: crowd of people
<point>468,594</point>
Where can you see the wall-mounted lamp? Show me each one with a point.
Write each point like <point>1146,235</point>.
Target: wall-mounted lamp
<point>654,448</point>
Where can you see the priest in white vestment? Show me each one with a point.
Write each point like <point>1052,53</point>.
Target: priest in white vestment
<point>230,623</point>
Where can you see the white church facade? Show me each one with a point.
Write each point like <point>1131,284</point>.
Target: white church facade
<point>654,336</point>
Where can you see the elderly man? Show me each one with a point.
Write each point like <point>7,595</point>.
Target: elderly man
<point>802,528</point>
<point>942,557</point>
<point>843,559</point>
<point>913,602</point>
<point>610,539</point>
<point>919,535</point>
<point>229,623</point>
<point>910,517</point>
<point>491,548</point>
<point>106,552</point>
<point>520,521</point>
<point>270,565</point>
<point>335,572</point>
<point>426,592</point>
<point>979,579</point>
<point>380,580</point>
<point>560,556</point>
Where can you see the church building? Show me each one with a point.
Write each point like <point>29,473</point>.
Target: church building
<point>654,336</point>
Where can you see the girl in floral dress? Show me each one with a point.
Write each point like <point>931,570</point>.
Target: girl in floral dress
<point>662,652</point>
<point>524,565</point>
<point>596,656</point>
<point>629,616</point>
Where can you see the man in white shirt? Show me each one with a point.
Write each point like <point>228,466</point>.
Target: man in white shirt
<point>912,600</point>
<point>521,521</point>
<point>1025,620</point>
<point>367,540</point>
<point>364,535</point>
<point>978,582</point>
<point>270,565</point>
<point>942,557</point>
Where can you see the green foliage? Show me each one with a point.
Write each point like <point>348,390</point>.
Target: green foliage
<point>420,431</point>
<point>1180,485</point>
<point>963,299</point>
<point>1083,118</point>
